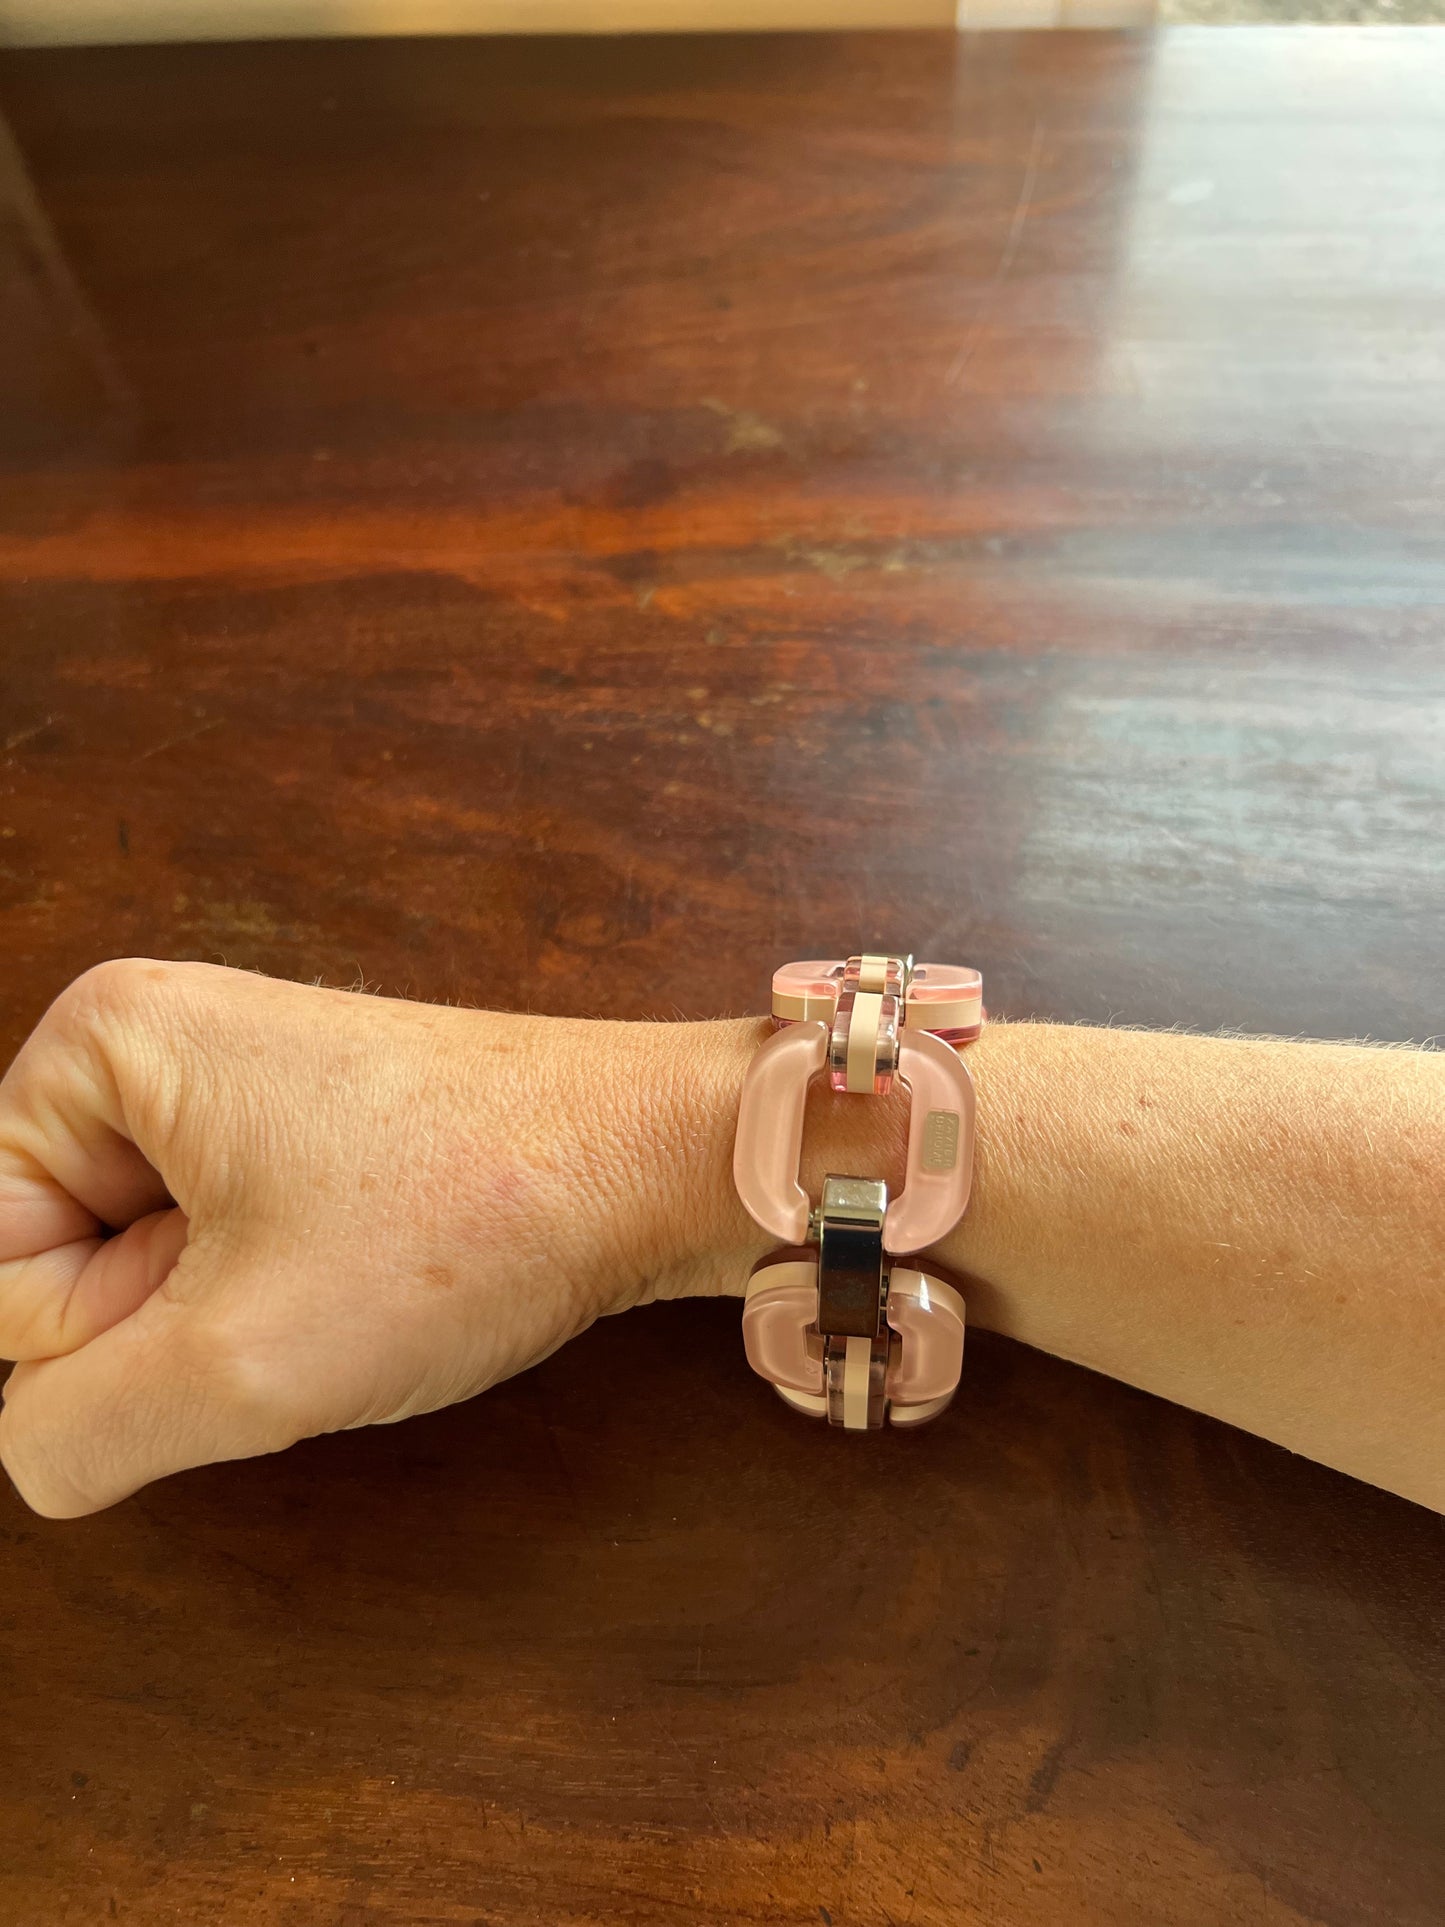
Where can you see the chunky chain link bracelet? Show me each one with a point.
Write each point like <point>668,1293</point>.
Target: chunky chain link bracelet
<point>845,1332</point>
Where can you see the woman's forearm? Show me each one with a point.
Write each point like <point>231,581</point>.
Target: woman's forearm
<point>1251,1227</point>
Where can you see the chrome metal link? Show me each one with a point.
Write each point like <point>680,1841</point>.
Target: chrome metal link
<point>851,1266</point>
<point>847,1223</point>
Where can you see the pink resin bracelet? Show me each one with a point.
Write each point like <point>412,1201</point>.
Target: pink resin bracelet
<point>847,1334</point>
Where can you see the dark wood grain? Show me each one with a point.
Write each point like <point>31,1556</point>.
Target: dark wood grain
<point>570,524</point>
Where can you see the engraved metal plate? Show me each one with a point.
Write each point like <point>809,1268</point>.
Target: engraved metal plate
<point>940,1141</point>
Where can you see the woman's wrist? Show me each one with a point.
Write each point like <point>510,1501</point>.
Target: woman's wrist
<point>695,1234</point>
<point>671,1117</point>
<point>1211,1219</point>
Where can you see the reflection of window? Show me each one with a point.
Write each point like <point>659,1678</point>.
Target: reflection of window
<point>42,22</point>
<point>58,382</point>
<point>1055,13</point>
<point>1190,801</point>
<point>1236,281</point>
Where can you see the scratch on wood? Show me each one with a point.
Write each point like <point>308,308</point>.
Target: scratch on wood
<point>24,735</point>
<point>186,736</point>
<point>1005,260</point>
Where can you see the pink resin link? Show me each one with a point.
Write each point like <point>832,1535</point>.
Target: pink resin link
<point>940,1137</point>
<point>944,998</point>
<point>846,1334</point>
<point>925,1354</point>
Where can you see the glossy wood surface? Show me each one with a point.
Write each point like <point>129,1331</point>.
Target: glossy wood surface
<point>572,524</point>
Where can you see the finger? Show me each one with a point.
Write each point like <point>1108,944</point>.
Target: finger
<point>69,1169</point>
<point>64,1150</point>
<point>162,1390</point>
<point>37,1212</point>
<point>58,1300</point>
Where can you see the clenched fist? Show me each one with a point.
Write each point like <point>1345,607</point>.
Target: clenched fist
<point>235,1212</point>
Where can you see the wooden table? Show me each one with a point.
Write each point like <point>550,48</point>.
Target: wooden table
<point>572,523</point>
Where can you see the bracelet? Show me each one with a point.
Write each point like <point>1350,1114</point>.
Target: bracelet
<point>844,1333</point>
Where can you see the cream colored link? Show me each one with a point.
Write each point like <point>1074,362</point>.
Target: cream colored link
<point>961,1015</point>
<point>873,973</point>
<point>799,1008</point>
<point>857,1369</point>
<point>863,1042</point>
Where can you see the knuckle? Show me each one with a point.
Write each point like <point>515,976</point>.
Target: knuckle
<point>108,1010</point>
<point>116,987</point>
<point>140,1018</point>
<point>127,989</point>
<point>249,1394</point>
